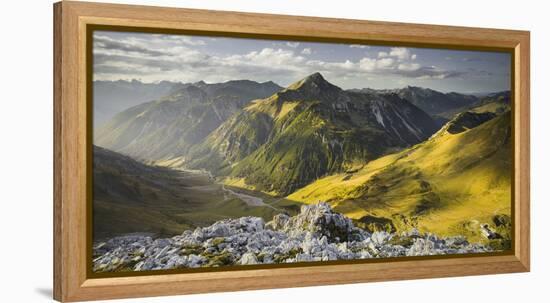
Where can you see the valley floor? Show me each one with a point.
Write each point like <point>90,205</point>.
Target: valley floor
<point>184,199</point>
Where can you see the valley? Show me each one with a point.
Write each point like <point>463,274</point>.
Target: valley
<point>130,197</point>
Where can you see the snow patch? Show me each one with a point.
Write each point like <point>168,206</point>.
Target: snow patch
<point>378,115</point>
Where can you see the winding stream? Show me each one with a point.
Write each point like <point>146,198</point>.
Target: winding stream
<point>248,199</point>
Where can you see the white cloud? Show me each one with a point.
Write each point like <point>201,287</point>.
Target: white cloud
<point>185,40</point>
<point>367,64</point>
<point>401,53</point>
<point>376,65</point>
<point>347,65</point>
<point>408,66</point>
<point>359,46</point>
<point>181,59</point>
<point>293,44</point>
<point>430,77</point>
<point>270,56</point>
<point>385,63</point>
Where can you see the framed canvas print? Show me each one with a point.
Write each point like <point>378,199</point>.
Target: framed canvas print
<point>201,151</point>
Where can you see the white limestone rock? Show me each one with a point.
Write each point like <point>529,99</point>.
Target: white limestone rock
<point>248,258</point>
<point>315,234</point>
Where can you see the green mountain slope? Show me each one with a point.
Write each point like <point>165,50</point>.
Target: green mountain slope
<point>450,184</point>
<point>306,131</point>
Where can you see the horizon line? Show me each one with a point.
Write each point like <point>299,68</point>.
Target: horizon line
<point>283,86</point>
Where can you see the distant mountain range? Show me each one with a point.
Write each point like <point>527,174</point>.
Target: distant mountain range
<point>169,126</point>
<point>442,107</point>
<point>112,97</point>
<point>429,100</point>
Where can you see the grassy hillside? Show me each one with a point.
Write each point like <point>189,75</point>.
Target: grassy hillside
<point>129,196</point>
<point>448,185</point>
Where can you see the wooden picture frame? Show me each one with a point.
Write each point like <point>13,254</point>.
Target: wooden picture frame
<point>72,281</point>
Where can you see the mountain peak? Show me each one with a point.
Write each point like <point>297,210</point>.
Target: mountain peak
<point>313,83</point>
<point>315,77</point>
<point>417,88</point>
<point>271,83</point>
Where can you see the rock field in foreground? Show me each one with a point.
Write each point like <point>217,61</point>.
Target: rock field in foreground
<point>315,234</point>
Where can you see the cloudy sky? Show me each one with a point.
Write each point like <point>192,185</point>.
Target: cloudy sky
<point>156,57</point>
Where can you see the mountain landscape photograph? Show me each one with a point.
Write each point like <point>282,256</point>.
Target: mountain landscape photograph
<point>214,152</point>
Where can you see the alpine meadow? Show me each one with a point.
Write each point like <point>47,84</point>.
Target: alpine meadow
<point>215,151</point>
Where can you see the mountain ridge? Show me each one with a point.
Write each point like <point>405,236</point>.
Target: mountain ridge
<point>167,127</point>
<point>429,100</point>
<point>327,128</point>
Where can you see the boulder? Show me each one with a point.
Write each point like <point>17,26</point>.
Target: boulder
<point>278,222</point>
<point>248,258</point>
<point>322,221</point>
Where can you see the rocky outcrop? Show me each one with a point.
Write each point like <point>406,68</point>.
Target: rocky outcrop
<point>315,234</point>
<point>321,221</point>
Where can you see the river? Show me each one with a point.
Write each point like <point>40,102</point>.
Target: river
<point>246,198</point>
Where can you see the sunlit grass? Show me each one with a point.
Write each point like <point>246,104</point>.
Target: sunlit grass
<point>439,186</point>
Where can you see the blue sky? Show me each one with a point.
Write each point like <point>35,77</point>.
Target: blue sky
<point>158,57</point>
